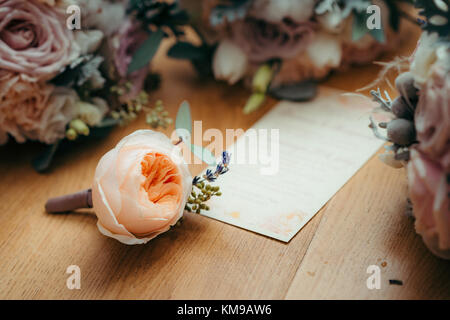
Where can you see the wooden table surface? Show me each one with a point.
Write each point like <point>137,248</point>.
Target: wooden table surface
<point>363,225</point>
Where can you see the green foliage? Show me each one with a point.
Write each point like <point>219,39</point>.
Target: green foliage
<point>183,123</point>
<point>183,127</point>
<point>146,51</point>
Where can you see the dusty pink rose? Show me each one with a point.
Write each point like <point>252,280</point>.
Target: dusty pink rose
<point>140,188</point>
<point>367,49</point>
<point>33,110</point>
<point>34,39</point>
<point>432,117</point>
<point>322,55</point>
<point>429,191</point>
<point>58,3</point>
<point>262,40</point>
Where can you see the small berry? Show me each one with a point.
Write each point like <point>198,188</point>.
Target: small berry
<point>401,132</point>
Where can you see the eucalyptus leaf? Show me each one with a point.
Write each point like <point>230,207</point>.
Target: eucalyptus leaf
<point>359,29</point>
<point>108,122</point>
<point>300,91</point>
<point>204,154</point>
<point>183,123</point>
<point>186,50</point>
<point>378,34</point>
<point>146,51</point>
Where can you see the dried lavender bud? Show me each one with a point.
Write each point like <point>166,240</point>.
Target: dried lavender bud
<point>405,85</point>
<point>401,109</point>
<point>401,132</point>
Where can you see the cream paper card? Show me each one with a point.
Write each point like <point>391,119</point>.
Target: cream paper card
<point>322,144</point>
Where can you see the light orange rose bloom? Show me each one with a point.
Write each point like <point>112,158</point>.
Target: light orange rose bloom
<point>140,188</point>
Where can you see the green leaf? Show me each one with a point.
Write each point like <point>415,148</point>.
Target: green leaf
<point>378,34</point>
<point>146,51</point>
<point>204,154</point>
<point>183,125</point>
<point>42,162</point>
<point>359,29</point>
<point>184,121</point>
<point>298,91</point>
<point>186,50</point>
<point>107,122</point>
<point>255,102</point>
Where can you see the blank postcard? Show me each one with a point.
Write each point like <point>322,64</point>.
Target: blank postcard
<point>291,162</point>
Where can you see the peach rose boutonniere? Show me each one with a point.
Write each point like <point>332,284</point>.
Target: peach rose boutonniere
<point>142,187</point>
<point>139,189</point>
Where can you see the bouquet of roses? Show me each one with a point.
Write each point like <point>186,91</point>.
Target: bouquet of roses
<point>282,43</point>
<point>419,132</point>
<point>68,67</point>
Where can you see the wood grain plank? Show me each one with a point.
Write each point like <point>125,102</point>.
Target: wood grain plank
<point>365,224</point>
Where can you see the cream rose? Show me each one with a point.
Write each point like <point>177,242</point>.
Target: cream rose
<point>140,188</point>
<point>33,110</point>
<point>424,58</point>
<point>34,39</point>
<point>230,62</point>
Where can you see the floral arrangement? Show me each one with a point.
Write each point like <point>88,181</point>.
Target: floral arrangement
<point>60,82</point>
<point>142,187</point>
<point>281,47</point>
<point>419,132</point>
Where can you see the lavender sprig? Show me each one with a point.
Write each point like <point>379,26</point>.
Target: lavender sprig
<point>205,191</point>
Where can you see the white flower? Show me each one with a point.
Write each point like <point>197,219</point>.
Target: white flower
<point>325,51</point>
<point>88,41</point>
<point>91,114</point>
<point>105,15</point>
<point>330,15</point>
<point>230,62</point>
<point>429,53</point>
<point>424,57</point>
<point>277,10</point>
